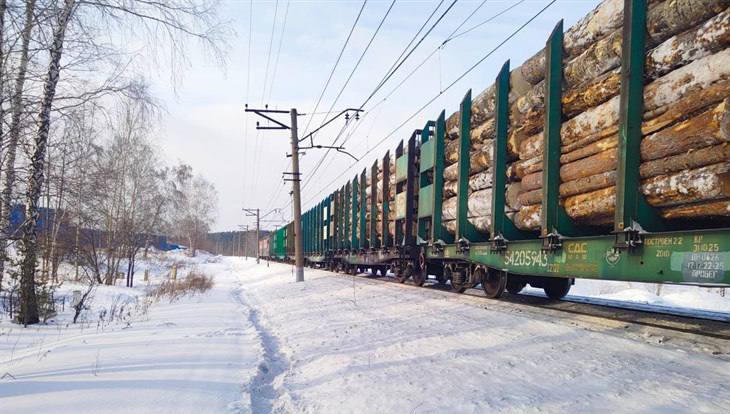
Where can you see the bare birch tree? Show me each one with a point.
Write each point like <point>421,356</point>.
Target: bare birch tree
<point>194,203</point>
<point>3,7</point>
<point>28,302</point>
<point>168,23</point>
<point>13,137</point>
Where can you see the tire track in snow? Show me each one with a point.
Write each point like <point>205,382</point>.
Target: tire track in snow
<point>263,391</point>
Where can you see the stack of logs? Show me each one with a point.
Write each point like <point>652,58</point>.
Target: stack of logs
<point>685,152</point>
<point>480,184</point>
<point>391,198</point>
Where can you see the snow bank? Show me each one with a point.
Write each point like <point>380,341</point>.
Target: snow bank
<point>353,346</point>
<point>191,356</point>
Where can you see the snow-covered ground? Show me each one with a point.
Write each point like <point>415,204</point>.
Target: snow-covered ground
<point>259,342</point>
<point>194,355</point>
<point>671,296</point>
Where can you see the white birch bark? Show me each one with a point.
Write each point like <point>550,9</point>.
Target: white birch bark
<point>29,304</point>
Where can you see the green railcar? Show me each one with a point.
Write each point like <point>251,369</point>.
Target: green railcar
<point>639,246</point>
<point>278,245</point>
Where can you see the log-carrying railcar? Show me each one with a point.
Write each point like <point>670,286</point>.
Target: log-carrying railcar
<point>640,246</point>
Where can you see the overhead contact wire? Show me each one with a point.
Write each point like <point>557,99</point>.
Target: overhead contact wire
<point>459,78</point>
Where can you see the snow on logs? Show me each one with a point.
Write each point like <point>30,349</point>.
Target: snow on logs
<point>686,121</point>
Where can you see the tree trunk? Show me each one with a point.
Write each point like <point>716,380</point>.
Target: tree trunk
<point>703,157</point>
<point>691,159</point>
<point>708,128</point>
<point>700,184</point>
<point>686,194</point>
<point>529,198</point>
<point>482,224</point>
<point>511,196</point>
<point>708,209</point>
<point>524,167</point>
<point>590,36</point>
<point>528,218</point>
<point>484,132</point>
<point>586,167</point>
<point>16,108</point>
<point>689,186</point>
<point>668,99</point>
<point>3,7</point>
<point>589,150</point>
<point>478,181</point>
<point>479,161</point>
<point>686,144</point>
<point>29,304</point>
<point>587,184</point>
<point>480,204</point>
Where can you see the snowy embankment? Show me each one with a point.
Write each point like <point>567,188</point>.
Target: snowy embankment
<point>258,342</point>
<point>191,356</point>
<point>351,345</point>
<point>685,298</point>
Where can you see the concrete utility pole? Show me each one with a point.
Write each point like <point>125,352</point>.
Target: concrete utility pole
<point>243,234</point>
<point>298,251</point>
<point>250,212</point>
<point>296,175</point>
<point>245,243</point>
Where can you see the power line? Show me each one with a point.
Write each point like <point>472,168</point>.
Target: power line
<point>459,78</point>
<point>478,25</point>
<point>347,81</point>
<point>268,54</point>
<point>449,38</point>
<point>329,79</point>
<point>396,65</point>
<point>407,47</point>
<point>257,151</point>
<point>337,62</point>
<point>382,83</point>
<point>248,83</point>
<point>278,52</point>
<point>271,88</point>
<point>362,55</point>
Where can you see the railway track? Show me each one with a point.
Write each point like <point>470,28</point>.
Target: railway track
<point>709,334</point>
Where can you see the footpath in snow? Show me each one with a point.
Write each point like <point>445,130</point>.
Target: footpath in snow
<point>196,355</point>
<point>259,342</point>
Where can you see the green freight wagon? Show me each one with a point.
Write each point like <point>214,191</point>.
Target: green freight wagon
<point>638,244</point>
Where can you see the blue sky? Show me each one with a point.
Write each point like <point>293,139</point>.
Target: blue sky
<point>205,124</point>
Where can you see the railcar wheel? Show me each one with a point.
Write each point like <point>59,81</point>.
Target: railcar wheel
<point>514,287</point>
<point>557,288</point>
<point>458,280</point>
<point>420,276</point>
<point>421,271</point>
<point>404,273</point>
<point>493,282</point>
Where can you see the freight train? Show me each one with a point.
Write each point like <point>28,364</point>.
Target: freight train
<point>392,217</point>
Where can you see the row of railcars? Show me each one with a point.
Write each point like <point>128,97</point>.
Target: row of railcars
<point>396,215</point>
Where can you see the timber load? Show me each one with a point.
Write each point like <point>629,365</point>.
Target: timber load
<point>685,150</point>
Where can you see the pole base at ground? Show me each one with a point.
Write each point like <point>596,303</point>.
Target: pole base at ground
<point>300,273</point>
